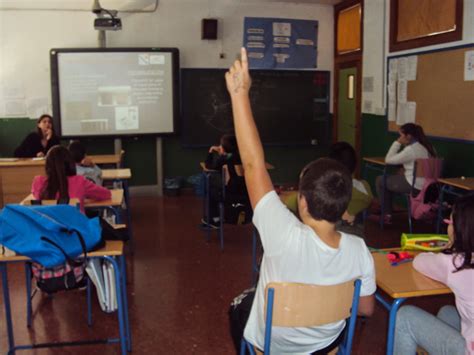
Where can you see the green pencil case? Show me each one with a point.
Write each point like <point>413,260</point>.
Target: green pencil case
<point>424,242</point>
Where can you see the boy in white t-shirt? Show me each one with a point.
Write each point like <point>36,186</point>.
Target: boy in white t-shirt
<point>309,251</point>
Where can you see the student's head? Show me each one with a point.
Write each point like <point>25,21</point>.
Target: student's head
<point>462,231</point>
<point>77,150</point>
<point>344,154</point>
<point>326,186</point>
<point>229,144</point>
<point>59,165</point>
<point>44,123</point>
<point>411,132</point>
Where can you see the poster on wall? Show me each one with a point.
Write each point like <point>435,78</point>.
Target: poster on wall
<point>276,43</point>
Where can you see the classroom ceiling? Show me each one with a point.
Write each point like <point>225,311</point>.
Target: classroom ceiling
<point>121,5</point>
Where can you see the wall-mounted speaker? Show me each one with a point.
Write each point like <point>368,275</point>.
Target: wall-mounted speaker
<point>209,28</point>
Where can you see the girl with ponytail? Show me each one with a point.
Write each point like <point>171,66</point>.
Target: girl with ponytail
<point>415,146</point>
<point>61,181</point>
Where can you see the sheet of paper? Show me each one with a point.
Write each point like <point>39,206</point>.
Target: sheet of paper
<point>412,67</point>
<point>393,66</point>
<point>469,66</point>
<point>37,107</point>
<point>15,108</point>
<point>402,68</point>
<point>392,110</point>
<point>402,91</point>
<point>406,112</point>
<point>13,91</point>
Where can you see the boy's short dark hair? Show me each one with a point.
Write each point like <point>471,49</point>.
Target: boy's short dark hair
<point>327,187</point>
<point>229,143</point>
<point>78,151</point>
<point>345,154</point>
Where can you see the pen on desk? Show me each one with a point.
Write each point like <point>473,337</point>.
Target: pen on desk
<point>401,262</point>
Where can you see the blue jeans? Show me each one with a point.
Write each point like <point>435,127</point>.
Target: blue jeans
<point>437,335</point>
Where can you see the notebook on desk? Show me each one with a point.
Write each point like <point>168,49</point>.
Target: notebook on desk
<point>8,159</point>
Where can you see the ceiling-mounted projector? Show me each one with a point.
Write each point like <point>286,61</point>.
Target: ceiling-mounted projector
<point>108,24</point>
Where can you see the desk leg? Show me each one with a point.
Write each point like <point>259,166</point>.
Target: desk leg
<point>129,212</point>
<point>123,271</point>
<point>393,309</point>
<point>207,200</point>
<point>8,315</point>
<point>120,304</point>
<point>28,294</point>
<point>382,198</point>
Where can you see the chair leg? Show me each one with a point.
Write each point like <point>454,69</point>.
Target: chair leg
<point>410,222</point>
<point>28,294</point>
<point>89,302</point>
<point>221,224</point>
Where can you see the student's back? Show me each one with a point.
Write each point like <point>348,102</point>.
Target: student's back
<point>293,252</point>
<point>61,180</point>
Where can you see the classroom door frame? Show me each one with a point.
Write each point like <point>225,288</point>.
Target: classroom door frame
<point>348,60</point>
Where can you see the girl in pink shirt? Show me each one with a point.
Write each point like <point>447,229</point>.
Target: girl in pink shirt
<point>452,330</point>
<point>61,181</point>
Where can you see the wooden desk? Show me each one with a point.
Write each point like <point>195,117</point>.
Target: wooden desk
<point>16,176</point>
<point>375,160</point>
<point>116,174</point>
<point>463,184</point>
<point>113,250</point>
<point>401,282</point>
<point>106,159</point>
<point>455,187</point>
<point>115,201</point>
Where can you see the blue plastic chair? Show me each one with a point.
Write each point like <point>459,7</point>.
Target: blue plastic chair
<point>310,306</point>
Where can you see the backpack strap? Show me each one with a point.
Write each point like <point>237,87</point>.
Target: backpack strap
<point>68,258</point>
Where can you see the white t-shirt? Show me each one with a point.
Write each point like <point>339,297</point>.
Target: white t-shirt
<point>407,157</point>
<point>294,253</point>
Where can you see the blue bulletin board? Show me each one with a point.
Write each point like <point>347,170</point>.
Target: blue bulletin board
<point>276,43</point>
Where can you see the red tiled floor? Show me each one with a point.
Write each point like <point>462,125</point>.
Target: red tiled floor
<point>179,288</point>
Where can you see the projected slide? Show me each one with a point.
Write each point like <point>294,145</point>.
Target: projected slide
<point>115,92</point>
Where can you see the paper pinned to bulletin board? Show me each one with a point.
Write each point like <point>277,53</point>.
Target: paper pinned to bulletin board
<point>443,96</point>
<point>400,72</point>
<point>276,43</point>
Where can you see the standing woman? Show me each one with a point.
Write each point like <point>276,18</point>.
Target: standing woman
<point>37,144</point>
<point>415,146</point>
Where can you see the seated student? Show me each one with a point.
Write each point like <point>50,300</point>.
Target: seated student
<point>416,146</point>
<point>226,154</point>
<point>37,144</point>
<point>452,330</point>
<point>61,181</point>
<point>84,165</point>
<point>310,251</point>
<point>361,198</point>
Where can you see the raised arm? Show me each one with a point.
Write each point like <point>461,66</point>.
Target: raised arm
<point>257,178</point>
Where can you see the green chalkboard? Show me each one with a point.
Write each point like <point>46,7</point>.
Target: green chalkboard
<point>290,107</point>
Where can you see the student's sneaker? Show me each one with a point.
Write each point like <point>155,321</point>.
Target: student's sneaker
<point>212,224</point>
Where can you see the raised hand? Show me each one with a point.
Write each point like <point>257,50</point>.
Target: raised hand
<point>238,78</point>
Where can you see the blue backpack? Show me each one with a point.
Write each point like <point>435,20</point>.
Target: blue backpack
<point>49,235</point>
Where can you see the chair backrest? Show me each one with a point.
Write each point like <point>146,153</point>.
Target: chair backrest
<point>303,305</point>
<point>429,168</point>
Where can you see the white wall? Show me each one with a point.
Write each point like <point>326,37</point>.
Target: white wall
<point>376,37</point>
<point>27,36</point>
